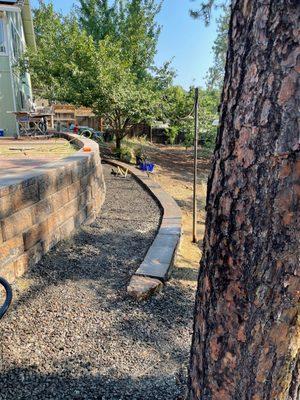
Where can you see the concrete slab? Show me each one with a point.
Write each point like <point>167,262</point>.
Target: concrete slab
<point>154,270</point>
<point>174,230</point>
<point>170,226</point>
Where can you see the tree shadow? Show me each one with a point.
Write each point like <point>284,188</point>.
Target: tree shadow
<point>114,347</point>
<point>34,385</point>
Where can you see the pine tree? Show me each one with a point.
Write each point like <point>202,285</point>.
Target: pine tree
<point>246,342</point>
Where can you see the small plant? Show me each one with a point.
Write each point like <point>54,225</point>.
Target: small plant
<point>140,140</point>
<point>124,154</point>
<point>172,134</point>
<point>138,151</point>
<point>140,155</point>
<point>188,141</point>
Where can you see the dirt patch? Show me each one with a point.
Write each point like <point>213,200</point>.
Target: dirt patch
<point>174,172</point>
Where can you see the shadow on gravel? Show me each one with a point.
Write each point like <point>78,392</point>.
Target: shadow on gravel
<point>75,334</point>
<point>33,385</point>
<point>89,256</point>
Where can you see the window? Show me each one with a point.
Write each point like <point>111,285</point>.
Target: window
<point>2,37</point>
<point>16,37</point>
<point>22,99</point>
<point>16,42</point>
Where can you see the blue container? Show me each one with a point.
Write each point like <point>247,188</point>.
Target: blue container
<point>1,132</point>
<point>150,167</point>
<point>147,167</point>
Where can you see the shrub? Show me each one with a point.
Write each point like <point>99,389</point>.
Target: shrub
<point>124,154</point>
<point>172,134</point>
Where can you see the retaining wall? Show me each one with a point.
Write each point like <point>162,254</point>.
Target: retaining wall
<point>46,205</point>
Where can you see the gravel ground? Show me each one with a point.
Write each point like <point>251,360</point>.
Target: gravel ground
<point>72,332</point>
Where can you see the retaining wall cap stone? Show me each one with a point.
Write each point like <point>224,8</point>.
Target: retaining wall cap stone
<point>160,256</point>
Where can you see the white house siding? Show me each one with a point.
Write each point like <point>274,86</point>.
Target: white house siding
<point>14,89</point>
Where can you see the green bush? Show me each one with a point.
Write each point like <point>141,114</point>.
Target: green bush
<point>124,154</point>
<point>172,134</point>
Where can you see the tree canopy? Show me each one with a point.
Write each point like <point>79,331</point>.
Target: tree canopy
<point>97,18</point>
<point>215,76</point>
<point>103,58</point>
<point>216,72</point>
<point>132,23</point>
<point>178,110</point>
<point>114,75</point>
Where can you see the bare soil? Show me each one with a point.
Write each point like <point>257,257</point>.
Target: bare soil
<point>174,172</point>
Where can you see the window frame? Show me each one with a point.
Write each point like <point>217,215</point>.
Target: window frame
<point>5,41</point>
<point>13,26</point>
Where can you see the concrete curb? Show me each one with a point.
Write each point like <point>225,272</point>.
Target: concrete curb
<point>159,259</point>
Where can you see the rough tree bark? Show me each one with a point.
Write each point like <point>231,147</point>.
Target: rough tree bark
<point>247,323</point>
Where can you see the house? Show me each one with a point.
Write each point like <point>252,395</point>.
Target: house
<point>66,114</point>
<point>86,117</point>
<point>16,32</point>
<point>156,133</point>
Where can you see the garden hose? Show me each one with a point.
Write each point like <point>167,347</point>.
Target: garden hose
<point>8,296</point>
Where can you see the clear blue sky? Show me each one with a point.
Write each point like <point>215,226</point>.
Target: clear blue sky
<point>187,41</point>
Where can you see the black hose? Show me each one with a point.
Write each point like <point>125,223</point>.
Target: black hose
<point>8,297</point>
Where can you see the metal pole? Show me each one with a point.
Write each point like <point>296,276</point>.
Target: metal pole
<point>195,166</point>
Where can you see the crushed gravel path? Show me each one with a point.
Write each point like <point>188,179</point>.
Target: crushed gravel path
<point>73,333</point>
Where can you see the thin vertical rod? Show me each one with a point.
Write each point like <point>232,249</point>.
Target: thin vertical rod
<point>195,166</point>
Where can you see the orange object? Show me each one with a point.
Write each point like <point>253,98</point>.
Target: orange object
<point>87,149</point>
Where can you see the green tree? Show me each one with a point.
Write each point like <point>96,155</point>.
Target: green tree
<point>97,18</point>
<point>139,34</point>
<point>132,23</point>
<point>208,113</point>
<point>178,104</point>
<point>63,52</point>
<point>120,96</point>
<point>178,109</point>
<point>215,76</point>
<point>69,65</point>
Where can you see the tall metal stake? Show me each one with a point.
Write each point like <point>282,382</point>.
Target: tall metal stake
<point>195,166</point>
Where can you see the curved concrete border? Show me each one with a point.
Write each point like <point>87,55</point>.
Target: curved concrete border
<point>160,256</point>
<point>44,205</point>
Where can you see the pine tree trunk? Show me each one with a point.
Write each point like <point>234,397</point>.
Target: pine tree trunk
<point>247,323</point>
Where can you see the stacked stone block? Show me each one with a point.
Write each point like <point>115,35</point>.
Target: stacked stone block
<point>40,208</point>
